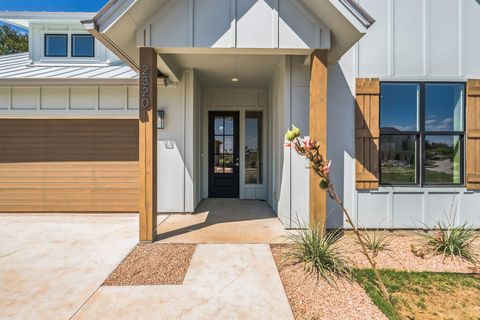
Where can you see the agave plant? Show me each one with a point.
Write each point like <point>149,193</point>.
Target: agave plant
<point>453,241</point>
<point>319,253</point>
<point>377,240</point>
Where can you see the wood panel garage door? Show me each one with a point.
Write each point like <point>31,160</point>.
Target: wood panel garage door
<point>68,165</point>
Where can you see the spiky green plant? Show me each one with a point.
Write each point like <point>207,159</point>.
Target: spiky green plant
<point>453,241</point>
<point>319,253</point>
<point>377,240</point>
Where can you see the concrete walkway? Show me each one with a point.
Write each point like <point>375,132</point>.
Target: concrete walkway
<point>51,264</point>
<point>223,221</point>
<point>230,281</point>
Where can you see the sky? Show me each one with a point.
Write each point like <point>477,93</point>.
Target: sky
<point>51,5</point>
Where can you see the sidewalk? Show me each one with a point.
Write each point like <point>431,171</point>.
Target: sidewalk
<point>224,281</point>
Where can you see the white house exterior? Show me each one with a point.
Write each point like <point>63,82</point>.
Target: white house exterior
<point>247,64</point>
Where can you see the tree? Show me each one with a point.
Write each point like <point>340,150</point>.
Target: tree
<point>12,41</point>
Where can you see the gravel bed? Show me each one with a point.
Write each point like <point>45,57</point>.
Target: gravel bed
<point>312,300</point>
<point>400,256</point>
<point>153,264</point>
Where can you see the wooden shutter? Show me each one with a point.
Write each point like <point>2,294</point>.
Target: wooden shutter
<point>367,133</point>
<point>472,163</point>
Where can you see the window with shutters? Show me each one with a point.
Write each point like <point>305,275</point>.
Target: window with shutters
<point>422,133</point>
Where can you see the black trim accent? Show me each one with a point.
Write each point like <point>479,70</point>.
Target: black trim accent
<point>420,138</point>
<point>46,35</point>
<point>73,35</point>
<point>224,191</point>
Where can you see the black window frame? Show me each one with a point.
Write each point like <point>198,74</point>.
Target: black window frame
<point>72,36</point>
<point>420,135</point>
<point>45,53</point>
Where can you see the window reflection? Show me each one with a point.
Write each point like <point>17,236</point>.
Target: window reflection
<point>223,144</point>
<point>253,147</point>
<point>444,107</point>
<point>398,159</point>
<point>442,159</point>
<point>218,125</point>
<point>399,111</point>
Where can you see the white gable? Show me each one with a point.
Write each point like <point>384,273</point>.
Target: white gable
<point>253,24</point>
<point>229,26</point>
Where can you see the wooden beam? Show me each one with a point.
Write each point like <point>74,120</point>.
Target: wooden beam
<point>148,144</point>
<point>318,130</point>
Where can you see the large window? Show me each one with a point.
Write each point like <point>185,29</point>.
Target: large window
<point>422,133</point>
<point>56,45</point>
<point>83,45</point>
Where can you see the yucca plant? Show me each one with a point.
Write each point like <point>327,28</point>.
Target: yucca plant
<point>320,166</point>
<point>319,253</point>
<point>376,241</point>
<point>453,241</point>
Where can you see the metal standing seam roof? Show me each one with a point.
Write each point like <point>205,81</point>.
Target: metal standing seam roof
<point>18,67</point>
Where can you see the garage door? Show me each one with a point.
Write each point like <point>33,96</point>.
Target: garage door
<point>68,165</point>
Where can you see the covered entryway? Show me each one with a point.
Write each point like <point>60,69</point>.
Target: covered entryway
<point>168,42</point>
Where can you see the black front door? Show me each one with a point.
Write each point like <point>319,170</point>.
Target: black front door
<point>223,155</point>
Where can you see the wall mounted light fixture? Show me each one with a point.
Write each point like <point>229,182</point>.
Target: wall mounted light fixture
<point>161,119</point>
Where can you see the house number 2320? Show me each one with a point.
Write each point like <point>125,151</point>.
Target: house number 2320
<point>145,90</point>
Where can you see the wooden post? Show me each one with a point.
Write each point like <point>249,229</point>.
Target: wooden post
<point>318,130</point>
<point>148,144</point>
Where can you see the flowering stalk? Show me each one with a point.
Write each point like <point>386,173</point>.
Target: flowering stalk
<point>310,149</point>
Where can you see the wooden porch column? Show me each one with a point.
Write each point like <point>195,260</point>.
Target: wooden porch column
<point>318,130</point>
<point>148,144</point>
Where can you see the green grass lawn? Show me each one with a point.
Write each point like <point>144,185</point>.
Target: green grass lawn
<point>425,295</point>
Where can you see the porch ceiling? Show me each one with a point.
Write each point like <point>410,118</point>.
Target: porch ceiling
<point>217,70</point>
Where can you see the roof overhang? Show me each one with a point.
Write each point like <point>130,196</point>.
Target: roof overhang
<point>116,25</point>
<point>347,21</point>
<point>24,19</point>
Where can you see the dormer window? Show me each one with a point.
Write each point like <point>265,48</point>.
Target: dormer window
<point>56,45</point>
<point>83,45</point>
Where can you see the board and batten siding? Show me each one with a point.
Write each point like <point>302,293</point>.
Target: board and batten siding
<point>411,40</point>
<point>69,100</point>
<point>69,165</point>
<point>231,24</point>
<point>420,39</point>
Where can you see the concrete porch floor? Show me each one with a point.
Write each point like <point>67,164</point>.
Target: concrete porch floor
<point>223,221</point>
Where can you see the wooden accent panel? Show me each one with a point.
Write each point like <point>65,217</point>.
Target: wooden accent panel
<point>65,165</point>
<point>318,131</point>
<point>367,133</point>
<point>148,144</point>
<point>472,163</point>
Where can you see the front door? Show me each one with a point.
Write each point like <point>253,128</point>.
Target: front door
<point>223,155</point>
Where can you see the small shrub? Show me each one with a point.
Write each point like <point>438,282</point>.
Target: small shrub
<point>319,253</point>
<point>453,241</point>
<point>376,240</point>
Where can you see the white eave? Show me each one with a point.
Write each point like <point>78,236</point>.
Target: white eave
<point>24,19</point>
<point>347,21</point>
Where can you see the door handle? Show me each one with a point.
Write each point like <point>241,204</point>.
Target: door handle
<point>237,163</point>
